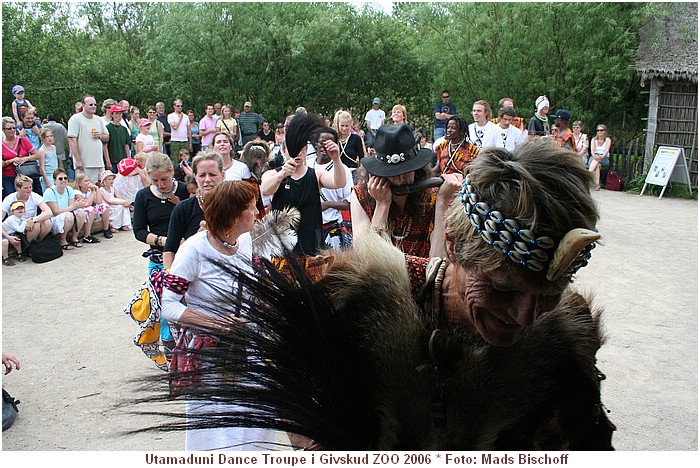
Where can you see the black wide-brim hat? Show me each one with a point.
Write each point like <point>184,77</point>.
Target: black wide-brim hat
<point>396,152</point>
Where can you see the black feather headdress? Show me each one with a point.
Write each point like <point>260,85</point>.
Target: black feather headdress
<point>303,128</point>
<point>353,363</point>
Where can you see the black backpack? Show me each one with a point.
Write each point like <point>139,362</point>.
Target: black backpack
<point>9,409</point>
<point>49,248</point>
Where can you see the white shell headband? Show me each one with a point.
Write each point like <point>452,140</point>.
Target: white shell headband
<point>524,246</point>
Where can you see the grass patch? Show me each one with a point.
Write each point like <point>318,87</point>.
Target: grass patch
<point>674,190</point>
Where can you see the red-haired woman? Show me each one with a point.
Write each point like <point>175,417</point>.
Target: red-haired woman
<point>230,212</point>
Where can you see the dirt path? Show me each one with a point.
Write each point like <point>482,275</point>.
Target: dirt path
<point>64,321</point>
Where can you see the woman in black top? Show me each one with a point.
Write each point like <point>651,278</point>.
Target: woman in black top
<point>185,221</point>
<point>154,205</point>
<point>352,148</point>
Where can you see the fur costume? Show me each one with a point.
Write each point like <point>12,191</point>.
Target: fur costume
<point>353,362</point>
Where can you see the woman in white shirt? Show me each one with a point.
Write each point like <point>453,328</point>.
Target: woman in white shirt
<point>600,153</point>
<point>230,212</point>
<point>581,140</point>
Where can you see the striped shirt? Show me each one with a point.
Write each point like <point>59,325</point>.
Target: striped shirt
<point>249,122</point>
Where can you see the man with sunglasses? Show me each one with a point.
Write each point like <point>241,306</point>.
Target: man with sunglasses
<point>86,134</point>
<point>443,111</point>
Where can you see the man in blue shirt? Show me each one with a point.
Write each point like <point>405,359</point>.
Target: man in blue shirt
<point>443,111</point>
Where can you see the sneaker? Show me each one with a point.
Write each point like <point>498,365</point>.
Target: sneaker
<point>108,234</point>
<point>91,240</point>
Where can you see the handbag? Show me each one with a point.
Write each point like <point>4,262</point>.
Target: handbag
<point>9,409</point>
<point>45,250</point>
<point>30,168</point>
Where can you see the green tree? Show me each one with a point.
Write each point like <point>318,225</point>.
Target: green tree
<point>327,56</point>
<point>45,70</point>
<point>579,54</point>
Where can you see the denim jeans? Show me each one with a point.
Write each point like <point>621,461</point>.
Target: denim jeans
<point>438,132</point>
<point>370,138</point>
<point>8,185</point>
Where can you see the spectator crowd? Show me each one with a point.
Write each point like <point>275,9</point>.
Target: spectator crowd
<point>193,189</point>
<point>84,179</point>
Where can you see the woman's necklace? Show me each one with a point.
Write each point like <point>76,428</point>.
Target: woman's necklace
<point>232,247</point>
<point>200,199</point>
<point>164,195</point>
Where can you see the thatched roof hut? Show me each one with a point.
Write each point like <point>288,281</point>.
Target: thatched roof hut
<point>668,47</point>
<point>667,59</point>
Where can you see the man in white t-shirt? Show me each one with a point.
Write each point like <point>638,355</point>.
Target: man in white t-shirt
<point>482,132</point>
<point>509,135</point>
<point>374,118</point>
<point>180,132</point>
<point>332,200</point>
<point>86,134</point>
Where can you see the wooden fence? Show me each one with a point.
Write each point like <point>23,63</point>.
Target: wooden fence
<point>627,158</point>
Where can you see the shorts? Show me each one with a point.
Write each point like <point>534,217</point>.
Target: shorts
<point>58,222</point>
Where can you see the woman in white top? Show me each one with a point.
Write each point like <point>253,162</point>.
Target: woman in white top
<point>230,212</point>
<point>233,168</point>
<point>581,141</point>
<point>600,153</point>
<point>38,224</point>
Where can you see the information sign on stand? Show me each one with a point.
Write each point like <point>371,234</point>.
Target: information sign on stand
<point>669,166</point>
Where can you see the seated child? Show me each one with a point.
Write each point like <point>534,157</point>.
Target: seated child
<point>13,229</point>
<point>132,176</point>
<point>120,216</point>
<point>94,206</point>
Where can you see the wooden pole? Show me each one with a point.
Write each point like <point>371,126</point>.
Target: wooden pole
<point>652,121</point>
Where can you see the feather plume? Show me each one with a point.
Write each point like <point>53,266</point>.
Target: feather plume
<point>345,362</point>
<point>302,130</point>
<point>276,233</point>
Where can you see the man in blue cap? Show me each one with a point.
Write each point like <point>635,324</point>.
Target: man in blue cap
<point>563,136</point>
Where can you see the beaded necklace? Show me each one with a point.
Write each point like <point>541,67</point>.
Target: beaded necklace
<point>165,194</point>
<point>397,239</point>
<point>452,154</point>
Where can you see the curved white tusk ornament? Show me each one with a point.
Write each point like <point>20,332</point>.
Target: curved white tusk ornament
<point>569,247</point>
